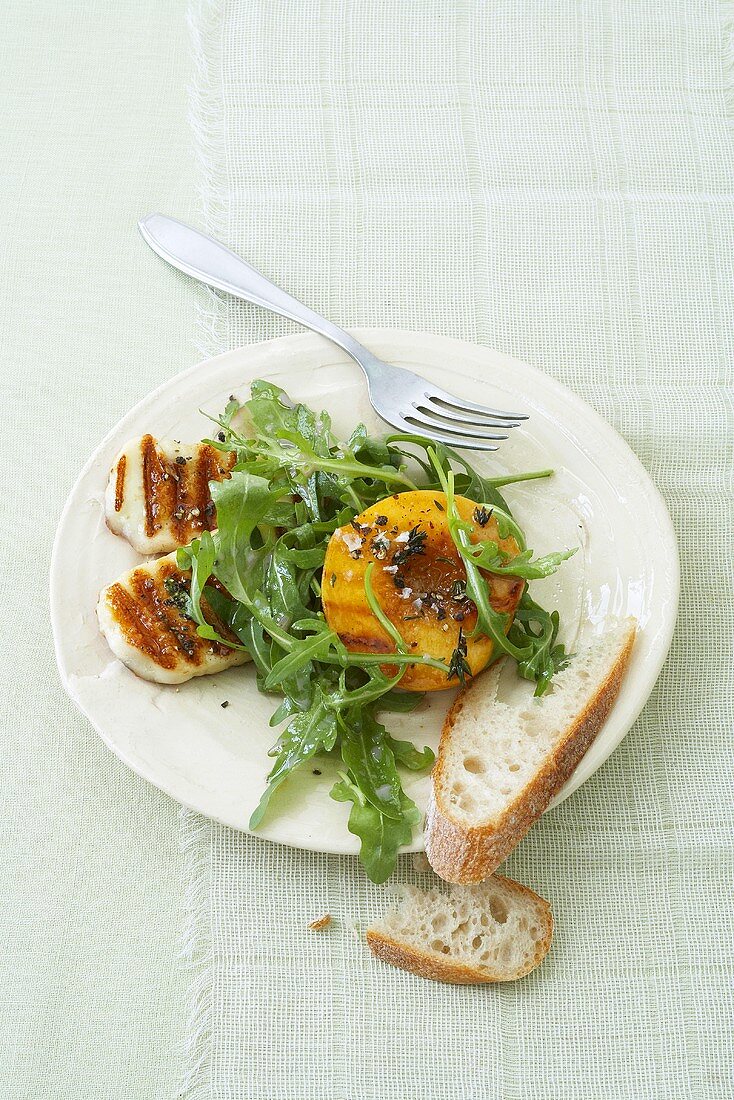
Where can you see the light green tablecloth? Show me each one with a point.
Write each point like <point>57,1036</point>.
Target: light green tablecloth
<point>94,134</point>
<point>550,178</point>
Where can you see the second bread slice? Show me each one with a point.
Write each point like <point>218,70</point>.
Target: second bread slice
<point>493,932</point>
<point>500,764</point>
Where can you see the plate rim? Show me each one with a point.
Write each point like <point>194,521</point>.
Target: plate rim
<point>660,514</point>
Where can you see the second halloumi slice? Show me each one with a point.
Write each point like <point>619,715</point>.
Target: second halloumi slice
<point>142,616</point>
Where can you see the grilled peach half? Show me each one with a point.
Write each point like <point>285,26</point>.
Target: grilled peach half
<point>418,580</point>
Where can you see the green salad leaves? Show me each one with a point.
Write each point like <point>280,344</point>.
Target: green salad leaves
<point>293,484</point>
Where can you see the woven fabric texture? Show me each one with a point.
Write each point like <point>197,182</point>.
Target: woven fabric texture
<point>94,134</point>
<point>553,180</point>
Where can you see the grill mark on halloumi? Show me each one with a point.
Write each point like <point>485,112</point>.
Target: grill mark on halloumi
<point>120,482</point>
<point>158,494</point>
<point>155,478</point>
<point>151,635</point>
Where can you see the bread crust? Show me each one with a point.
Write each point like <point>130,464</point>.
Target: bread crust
<point>441,968</point>
<point>465,855</point>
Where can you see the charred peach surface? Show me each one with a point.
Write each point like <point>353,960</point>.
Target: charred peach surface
<point>418,579</point>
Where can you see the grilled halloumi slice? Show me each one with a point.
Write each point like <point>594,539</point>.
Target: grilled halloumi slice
<point>158,493</point>
<point>142,619</point>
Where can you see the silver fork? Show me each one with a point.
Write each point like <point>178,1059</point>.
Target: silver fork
<point>402,398</point>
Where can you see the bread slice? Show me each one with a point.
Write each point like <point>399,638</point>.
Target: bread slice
<point>499,764</point>
<point>492,932</point>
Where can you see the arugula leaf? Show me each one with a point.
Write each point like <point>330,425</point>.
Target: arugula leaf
<point>241,502</point>
<point>370,761</point>
<point>407,755</point>
<point>281,513</point>
<point>233,614</point>
<point>287,709</point>
<point>381,836</point>
<point>486,489</point>
<point>282,586</point>
<point>304,651</point>
<point>547,656</point>
<point>371,686</point>
<point>271,409</point>
<point>200,560</point>
<point>371,451</point>
<point>202,564</point>
<point>487,556</point>
<point>312,731</point>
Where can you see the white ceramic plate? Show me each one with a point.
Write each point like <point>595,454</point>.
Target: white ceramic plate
<point>215,760</point>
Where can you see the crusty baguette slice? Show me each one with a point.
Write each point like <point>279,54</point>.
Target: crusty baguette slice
<point>495,931</point>
<point>499,764</point>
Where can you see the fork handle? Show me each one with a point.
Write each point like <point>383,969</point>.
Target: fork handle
<point>205,259</point>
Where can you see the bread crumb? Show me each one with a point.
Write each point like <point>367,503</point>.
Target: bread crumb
<point>420,863</point>
<point>321,922</point>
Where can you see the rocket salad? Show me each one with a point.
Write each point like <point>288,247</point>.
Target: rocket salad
<point>295,489</point>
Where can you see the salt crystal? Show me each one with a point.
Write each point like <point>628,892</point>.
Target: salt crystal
<point>351,540</point>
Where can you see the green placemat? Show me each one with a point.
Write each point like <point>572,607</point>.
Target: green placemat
<point>94,134</point>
